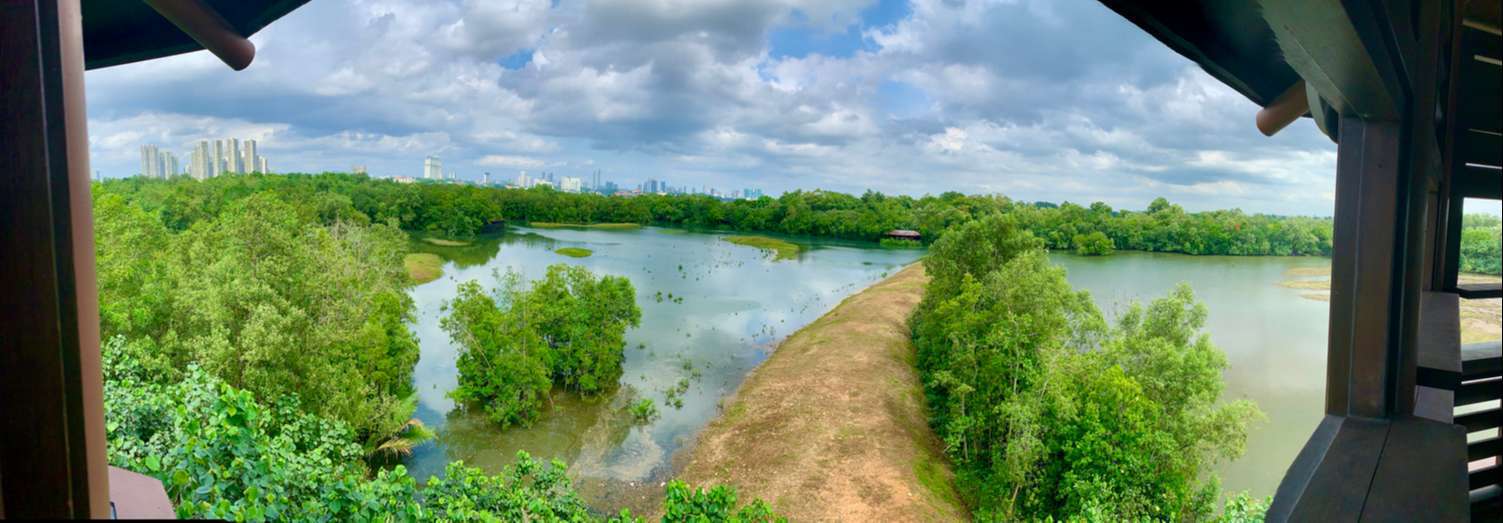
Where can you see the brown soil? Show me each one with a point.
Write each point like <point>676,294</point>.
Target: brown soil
<point>832,426</point>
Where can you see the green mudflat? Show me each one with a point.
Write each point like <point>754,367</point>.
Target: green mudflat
<point>780,249</point>
<point>423,267</point>
<point>575,252</point>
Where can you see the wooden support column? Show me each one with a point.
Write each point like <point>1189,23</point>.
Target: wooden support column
<point>52,455</point>
<point>1362,348</point>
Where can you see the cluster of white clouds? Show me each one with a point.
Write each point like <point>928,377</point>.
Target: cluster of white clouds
<point>1036,99</point>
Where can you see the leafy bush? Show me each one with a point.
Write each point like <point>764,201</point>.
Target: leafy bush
<point>567,329</point>
<point>643,411</point>
<point>1482,249</point>
<point>1094,244</point>
<point>716,504</point>
<point>1045,411</point>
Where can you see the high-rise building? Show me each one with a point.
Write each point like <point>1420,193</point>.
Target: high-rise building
<point>433,168</point>
<point>570,184</point>
<point>522,181</point>
<point>234,162</point>
<point>261,165</point>
<point>216,159</point>
<point>249,158</point>
<point>169,165</point>
<point>149,160</point>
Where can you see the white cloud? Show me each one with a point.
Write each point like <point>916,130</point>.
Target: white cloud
<point>501,160</point>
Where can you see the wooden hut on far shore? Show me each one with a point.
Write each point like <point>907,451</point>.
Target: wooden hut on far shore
<point>903,234</point>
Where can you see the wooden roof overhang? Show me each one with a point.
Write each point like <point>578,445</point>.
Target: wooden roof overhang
<point>1410,91</point>
<point>117,32</point>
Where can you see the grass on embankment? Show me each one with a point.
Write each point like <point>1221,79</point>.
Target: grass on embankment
<point>780,249</point>
<point>574,252</point>
<point>832,427</point>
<point>423,267</point>
<point>606,226</point>
<point>1481,320</point>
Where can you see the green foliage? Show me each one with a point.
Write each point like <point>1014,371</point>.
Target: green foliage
<point>643,411</point>
<point>1243,508</point>
<point>1094,244</point>
<point>900,243</point>
<point>262,294</point>
<point>567,329</point>
<point>1046,412</point>
<point>1482,245</point>
<point>685,504</point>
<point>575,252</point>
<point>223,455</point>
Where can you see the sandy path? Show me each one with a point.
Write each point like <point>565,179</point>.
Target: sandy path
<point>832,426</point>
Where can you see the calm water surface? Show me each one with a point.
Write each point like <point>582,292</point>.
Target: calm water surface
<point>1274,339</point>
<point>736,304</point>
<point>723,308</point>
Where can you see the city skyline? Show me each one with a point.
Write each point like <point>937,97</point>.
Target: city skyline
<point>205,159</point>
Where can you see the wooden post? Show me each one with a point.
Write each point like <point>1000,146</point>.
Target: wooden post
<point>1361,350</point>
<point>52,459</point>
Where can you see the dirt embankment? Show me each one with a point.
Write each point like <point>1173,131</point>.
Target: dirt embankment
<point>832,426</point>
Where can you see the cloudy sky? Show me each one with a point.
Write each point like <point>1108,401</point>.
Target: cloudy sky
<point>1039,100</point>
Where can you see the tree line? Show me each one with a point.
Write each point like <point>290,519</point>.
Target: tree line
<point>464,211</point>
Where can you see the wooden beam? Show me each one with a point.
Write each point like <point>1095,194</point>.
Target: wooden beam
<point>204,25</point>
<point>1324,42</point>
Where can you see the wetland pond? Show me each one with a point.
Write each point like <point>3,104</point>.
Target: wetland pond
<point>724,307</point>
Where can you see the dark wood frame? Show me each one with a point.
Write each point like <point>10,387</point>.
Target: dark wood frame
<point>49,338</point>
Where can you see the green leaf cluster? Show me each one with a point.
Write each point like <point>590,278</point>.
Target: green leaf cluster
<point>1047,411</point>
<point>1093,244</point>
<point>567,329</point>
<point>1482,245</point>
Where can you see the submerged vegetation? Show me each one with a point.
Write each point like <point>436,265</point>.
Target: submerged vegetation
<point>567,329</point>
<point>575,252</point>
<point>780,250</point>
<point>1049,413</point>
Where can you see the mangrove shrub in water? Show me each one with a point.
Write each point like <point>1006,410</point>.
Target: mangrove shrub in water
<point>567,329</point>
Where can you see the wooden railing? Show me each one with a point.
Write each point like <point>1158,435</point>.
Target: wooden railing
<point>1478,409</point>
